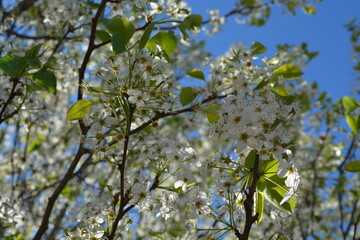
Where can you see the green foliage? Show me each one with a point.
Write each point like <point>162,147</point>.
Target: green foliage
<point>257,48</point>
<point>187,95</point>
<point>212,112</point>
<point>350,104</point>
<point>310,9</point>
<point>260,203</point>
<point>352,166</point>
<point>103,35</point>
<point>146,35</point>
<point>288,71</point>
<point>117,43</point>
<point>196,73</point>
<point>46,79</point>
<point>167,42</point>
<point>192,22</point>
<point>13,66</point>
<point>123,27</point>
<point>79,110</point>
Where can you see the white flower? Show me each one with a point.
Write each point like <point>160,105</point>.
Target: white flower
<point>138,97</point>
<point>168,206</point>
<point>185,179</point>
<point>290,172</point>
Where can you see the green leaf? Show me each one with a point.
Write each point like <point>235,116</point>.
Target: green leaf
<point>32,56</point>
<point>13,66</point>
<point>257,21</point>
<point>350,104</point>
<point>192,22</point>
<point>46,79</point>
<point>250,159</point>
<point>196,73</point>
<point>262,84</point>
<point>352,122</point>
<point>270,168</point>
<point>212,113</point>
<point>322,97</point>
<point>34,62</point>
<point>281,90</point>
<point>167,42</point>
<point>103,35</point>
<point>259,205</point>
<point>352,166</point>
<point>117,43</point>
<point>310,9</point>
<point>34,51</point>
<point>145,37</point>
<point>123,27</point>
<point>289,71</point>
<point>257,48</point>
<point>187,95</point>
<point>275,195</point>
<point>78,110</point>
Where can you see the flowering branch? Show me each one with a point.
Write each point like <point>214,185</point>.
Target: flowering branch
<point>249,203</point>
<point>52,199</point>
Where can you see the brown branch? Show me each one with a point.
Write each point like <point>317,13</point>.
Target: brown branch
<point>249,203</point>
<point>160,115</point>
<point>45,37</point>
<point>314,183</point>
<point>10,98</point>
<point>341,192</point>
<point>240,11</point>
<point>91,47</point>
<point>121,167</point>
<point>52,199</point>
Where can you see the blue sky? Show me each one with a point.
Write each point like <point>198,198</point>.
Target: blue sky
<point>323,32</point>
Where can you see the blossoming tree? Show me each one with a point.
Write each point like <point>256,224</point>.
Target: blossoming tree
<point>101,140</point>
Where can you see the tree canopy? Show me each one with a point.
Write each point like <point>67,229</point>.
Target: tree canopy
<point>100,138</point>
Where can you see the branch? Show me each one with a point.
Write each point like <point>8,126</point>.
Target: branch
<point>160,115</point>
<point>11,97</point>
<point>52,199</point>
<point>90,49</point>
<point>249,203</point>
<point>121,166</point>
<point>340,192</point>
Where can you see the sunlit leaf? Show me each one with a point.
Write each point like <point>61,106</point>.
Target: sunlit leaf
<point>187,95</point>
<point>352,166</point>
<point>196,73</point>
<point>289,71</point>
<point>79,110</point>
<point>167,42</point>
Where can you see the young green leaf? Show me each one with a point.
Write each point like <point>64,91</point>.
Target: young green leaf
<point>145,37</point>
<point>350,104</point>
<point>212,113</point>
<point>34,51</point>
<point>352,166</point>
<point>187,95</point>
<point>259,206</point>
<point>192,22</point>
<point>288,71</point>
<point>167,41</point>
<point>13,66</point>
<point>117,43</point>
<point>123,27</point>
<point>103,35</point>
<point>257,48</point>
<point>310,9</point>
<point>250,159</point>
<point>352,122</point>
<point>46,79</point>
<point>78,110</point>
<point>196,73</point>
